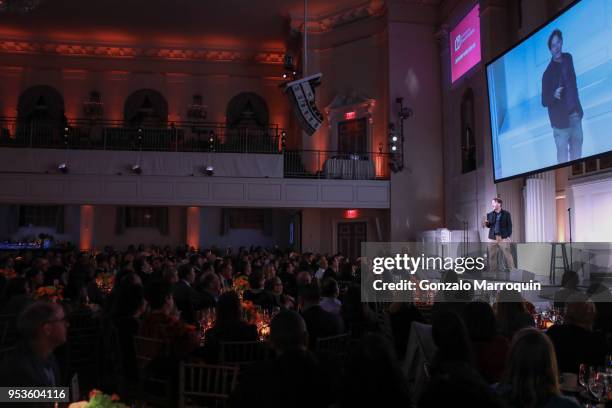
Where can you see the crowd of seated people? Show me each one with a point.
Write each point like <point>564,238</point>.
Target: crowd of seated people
<point>486,355</point>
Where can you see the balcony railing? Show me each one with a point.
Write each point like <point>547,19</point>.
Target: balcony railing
<point>336,165</point>
<point>116,135</point>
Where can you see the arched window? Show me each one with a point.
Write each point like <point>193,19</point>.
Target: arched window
<point>247,110</point>
<point>40,103</point>
<point>147,108</point>
<point>468,137</point>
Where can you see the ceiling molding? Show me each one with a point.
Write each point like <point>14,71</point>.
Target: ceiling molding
<point>273,57</point>
<point>327,22</point>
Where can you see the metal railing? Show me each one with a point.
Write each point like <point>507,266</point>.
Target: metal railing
<point>117,135</point>
<point>321,164</point>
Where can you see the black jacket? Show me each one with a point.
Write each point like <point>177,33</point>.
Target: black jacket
<point>505,227</point>
<point>187,300</point>
<point>561,74</point>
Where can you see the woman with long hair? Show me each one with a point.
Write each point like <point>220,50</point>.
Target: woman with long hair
<point>531,379</point>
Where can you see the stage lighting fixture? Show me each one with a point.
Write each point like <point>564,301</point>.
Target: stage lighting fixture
<point>209,170</point>
<point>136,169</point>
<point>62,168</point>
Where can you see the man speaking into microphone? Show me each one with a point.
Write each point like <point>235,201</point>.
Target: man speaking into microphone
<point>499,223</point>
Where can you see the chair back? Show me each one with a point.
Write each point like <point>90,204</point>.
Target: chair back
<point>243,352</point>
<point>338,344</point>
<point>206,385</point>
<point>147,349</point>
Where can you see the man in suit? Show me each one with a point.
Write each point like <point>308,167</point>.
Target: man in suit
<point>319,322</point>
<point>300,379</point>
<point>42,328</point>
<point>186,298</point>
<point>499,223</point>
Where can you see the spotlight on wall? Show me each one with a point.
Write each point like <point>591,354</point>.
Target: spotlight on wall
<point>209,170</point>
<point>136,169</point>
<point>63,168</point>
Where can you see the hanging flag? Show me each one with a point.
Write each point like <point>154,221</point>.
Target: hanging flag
<point>302,96</point>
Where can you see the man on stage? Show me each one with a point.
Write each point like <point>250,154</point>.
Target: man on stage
<point>499,223</point>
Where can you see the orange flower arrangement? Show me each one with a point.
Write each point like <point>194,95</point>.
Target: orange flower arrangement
<point>241,283</point>
<point>105,281</point>
<point>8,273</point>
<point>53,294</point>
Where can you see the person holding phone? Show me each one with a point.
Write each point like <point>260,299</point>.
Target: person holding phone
<point>560,96</point>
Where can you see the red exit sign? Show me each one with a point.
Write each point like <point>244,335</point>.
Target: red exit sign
<point>350,115</point>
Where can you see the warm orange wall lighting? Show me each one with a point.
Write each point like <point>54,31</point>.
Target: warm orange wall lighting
<point>86,227</point>
<point>193,227</point>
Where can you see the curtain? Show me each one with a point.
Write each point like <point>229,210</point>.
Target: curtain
<point>120,221</point>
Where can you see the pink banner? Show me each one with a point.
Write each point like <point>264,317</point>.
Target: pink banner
<point>465,44</point>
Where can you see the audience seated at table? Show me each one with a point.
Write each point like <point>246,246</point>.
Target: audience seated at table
<point>569,288</point>
<point>257,293</point>
<point>490,349</point>
<point>463,388</point>
<point>130,307</point>
<point>511,313</point>
<point>42,328</point>
<point>574,340</point>
<point>163,322</point>
<point>531,378</point>
<point>373,376</point>
<point>277,299</point>
<point>229,325</point>
<point>209,288</point>
<point>401,316</point>
<point>186,298</point>
<point>357,316</point>
<point>295,378</point>
<point>329,296</point>
<point>319,322</point>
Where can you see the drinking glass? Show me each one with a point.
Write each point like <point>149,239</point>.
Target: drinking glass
<point>597,386</point>
<point>583,375</point>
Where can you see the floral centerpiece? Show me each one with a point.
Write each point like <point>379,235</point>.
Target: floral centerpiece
<point>97,399</point>
<point>254,315</point>
<point>53,294</point>
<point>8,273</point>
<point>241,284</point>
<point>105,281</point>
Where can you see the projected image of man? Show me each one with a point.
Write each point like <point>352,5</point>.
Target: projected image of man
<point>560,96</point>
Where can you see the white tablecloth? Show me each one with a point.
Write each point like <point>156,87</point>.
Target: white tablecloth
<point>349,169</point>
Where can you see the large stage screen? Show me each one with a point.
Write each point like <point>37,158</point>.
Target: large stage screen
<point>550,97</point>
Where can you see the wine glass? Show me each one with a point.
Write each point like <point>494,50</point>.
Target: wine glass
<point>583,375</point>
<point>597,386</point>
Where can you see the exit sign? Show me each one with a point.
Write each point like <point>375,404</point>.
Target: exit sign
<point>350,115</point>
